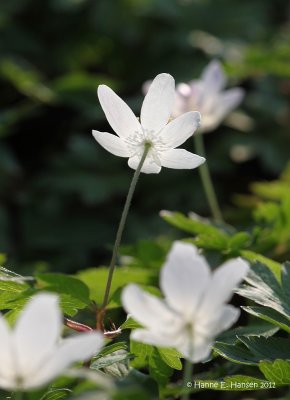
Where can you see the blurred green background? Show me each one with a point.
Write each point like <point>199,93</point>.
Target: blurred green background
<point>61,193</point>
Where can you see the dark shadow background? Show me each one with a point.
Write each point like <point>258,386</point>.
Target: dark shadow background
<point>61,193</point>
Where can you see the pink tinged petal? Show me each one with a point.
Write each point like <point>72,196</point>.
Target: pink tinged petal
<point>78,348</point>
<point>180,129</point>
<point>213,77</point>
<point>36,332</point>
<point>112,143</point>
<point>180,159</point>
<point>119,115</point>
<point>220,289</point>
<point>150,311</point>
<point>229,100</point>
<point>158,102</point>
<point>153,338</point>
<point>7,367</point>
<point>149,166</point>
<point>184,277</point>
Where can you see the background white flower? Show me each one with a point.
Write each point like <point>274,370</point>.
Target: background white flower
<point>208,97</point>
<point>32,354</point>
<point>152,129</point>
<point>194,310</point>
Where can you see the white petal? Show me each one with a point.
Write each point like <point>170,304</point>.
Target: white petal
<point>180,129</point>
<point>229,100</point>
<point>184,277</point>
<point>149,166</point>
<point>220,288</point>
<point>228,316</point>
<point>180,159</point>
<point>119,115</point>
<point>112,143</point>
<point>153,338</point>
<point>214,77</point>
<point>36,331</point>
<point>79,348</point>
<point>148,310</point>
<point>6,352</point>
<point>158,102</point>
<point>195,347</point>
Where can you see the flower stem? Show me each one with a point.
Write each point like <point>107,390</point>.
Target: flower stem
<point>187,379</point>
<point>18,396</point>
<point>120,230</point>
<point>206,180</point>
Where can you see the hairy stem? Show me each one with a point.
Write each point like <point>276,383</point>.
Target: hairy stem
<point>120,230</point>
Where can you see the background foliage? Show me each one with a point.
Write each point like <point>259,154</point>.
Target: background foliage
<point>61,194</point>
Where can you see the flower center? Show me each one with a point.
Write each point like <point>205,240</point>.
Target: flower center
<point>146,138</point>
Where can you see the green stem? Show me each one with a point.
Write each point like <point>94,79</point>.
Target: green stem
<point>18,396</point>
<point>206,180</point>
<point>187,379</point>
<point>121,229</point>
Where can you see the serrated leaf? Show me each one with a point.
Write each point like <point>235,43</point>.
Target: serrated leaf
<point>111,348</point>
<point>56,394</point>
<point>236,353</point>
<point>267,348</point>
<point>277,371</point>
<point>113,358</point>
<point>270,315</point>
<point>231,336</point>
<point>265,290</point>
<point>253,257</point>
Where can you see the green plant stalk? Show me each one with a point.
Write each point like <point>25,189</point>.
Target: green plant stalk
<point>18,396</point>
<point>120,230</point>
<point>206,180</point>
<point>187,378</point>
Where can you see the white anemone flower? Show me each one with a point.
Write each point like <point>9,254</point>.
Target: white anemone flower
<point>32,354</point>
<point>194,310</point>
<point>153,129</point>
<point>207,95</point>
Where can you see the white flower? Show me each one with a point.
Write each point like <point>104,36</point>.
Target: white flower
<point>208,97</point>
<point>152,128</point>
<point>194,310</point>
<point>31,354</point>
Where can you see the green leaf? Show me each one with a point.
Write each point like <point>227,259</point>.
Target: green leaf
<point>277,371</point>
<point>111,348</point>
<point>130,323</point>
<point>158,368</point>
<point>171,357</point>
<point>142,352</point>
<point>267,348</point>
<point>253,257</point>
<point>64,284</point>
<point>56,394</point>
<point>265,290</point>
<point>96,278</point>
<point>270,315</point>
<point>190,225</point>
<point>262,329</point>
<point>236,353</point>
<point>115,363</point>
